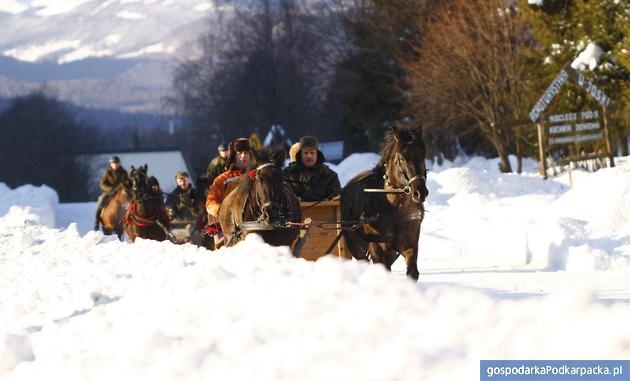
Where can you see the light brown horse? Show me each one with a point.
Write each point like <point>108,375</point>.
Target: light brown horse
<point>262,203</point>
<point>113,215</point>
<point>384,207</point>
<point>146,217</point>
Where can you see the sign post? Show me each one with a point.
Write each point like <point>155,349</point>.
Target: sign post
<point>546,99</point>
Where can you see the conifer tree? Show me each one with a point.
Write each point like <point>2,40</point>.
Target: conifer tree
<point>562,29</point>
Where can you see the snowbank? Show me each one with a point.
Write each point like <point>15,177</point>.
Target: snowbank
<point>353,165</point>
<point>96,310</point>
<point>28,204</point>
<point>511,266</point>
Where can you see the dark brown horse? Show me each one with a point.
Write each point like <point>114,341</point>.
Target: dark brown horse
<point>146,217</point>
<point>262,203</point>
<point>113,215</point>
<point>383,208</point>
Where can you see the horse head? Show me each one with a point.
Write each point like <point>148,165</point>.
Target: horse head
<point>140,188</point>
<point>268,185</point>
<point>406,167</point>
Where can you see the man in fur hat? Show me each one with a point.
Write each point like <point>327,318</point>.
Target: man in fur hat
<point>310,178</point>
<point>113,176</point>
<point>240,157</point>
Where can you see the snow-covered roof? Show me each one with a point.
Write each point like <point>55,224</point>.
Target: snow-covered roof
<point>161,164</point>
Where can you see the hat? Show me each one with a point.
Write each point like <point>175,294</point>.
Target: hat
<point>309,142</point>
<point>221,147</point>
<point>241,144</point>
<point>295,148</point>
<point>238,145</point>
<point>181,175</point>
<point>114,159</point>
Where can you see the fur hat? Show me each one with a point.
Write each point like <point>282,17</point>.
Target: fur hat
<point>181,175</point>
<point>309,142</point>
<point>295,148</point>
<point>241,144</point>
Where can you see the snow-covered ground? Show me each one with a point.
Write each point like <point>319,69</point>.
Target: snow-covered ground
<point>511,267</point>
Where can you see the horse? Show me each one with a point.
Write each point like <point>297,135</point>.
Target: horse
<point>197,236</point>
<point>262,203</point>
<point>146,217</point>
<point>113,214</point>
<point>382,209</point>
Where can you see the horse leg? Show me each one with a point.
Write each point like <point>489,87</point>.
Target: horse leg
<point>377,254</point>
<point>411,258</point>
<point>355,245</point>
<point>390,256</point>
<point>131,233</point>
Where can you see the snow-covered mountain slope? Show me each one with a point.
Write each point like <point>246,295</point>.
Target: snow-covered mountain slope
<point>109,54</point>
<point>66,31</point>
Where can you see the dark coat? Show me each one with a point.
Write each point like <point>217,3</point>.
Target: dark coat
<point>181,203</point>
<point>312,184</point>
<point>217,166</point>
<point>111,179</point>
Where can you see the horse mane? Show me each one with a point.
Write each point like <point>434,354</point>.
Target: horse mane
<point>399,133</point>
<point>245,184</point>
<point>262,156</point>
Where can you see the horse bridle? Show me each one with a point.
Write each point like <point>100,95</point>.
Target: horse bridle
<point>264,215</point>
<point>406,188</point>
<point>146,193</point>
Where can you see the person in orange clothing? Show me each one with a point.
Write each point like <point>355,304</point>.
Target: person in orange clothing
<point>240,157</point>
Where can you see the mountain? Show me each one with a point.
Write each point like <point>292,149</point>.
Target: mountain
<point>72,30</point>
<point>115,54</point>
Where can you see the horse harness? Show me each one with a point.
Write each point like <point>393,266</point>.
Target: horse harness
<point>262,222</point>
<point>406,189</point>
<point>156,218</point>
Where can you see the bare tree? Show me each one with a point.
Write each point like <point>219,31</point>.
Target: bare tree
<point>469,72</point>
<point>264,64</point>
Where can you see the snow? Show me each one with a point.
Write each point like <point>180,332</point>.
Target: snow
<point>353,164</point>
<point>203,7</point>
<point>55,7</point>
<point>12,6</point>
<point>34,53</point>
<point>589,57</point>
<point>511,267</point>
<point>131,15</point>
<point>82,28</point>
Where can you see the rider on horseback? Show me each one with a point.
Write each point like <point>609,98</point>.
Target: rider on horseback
<point>113,176</point>
<point>239,160</point>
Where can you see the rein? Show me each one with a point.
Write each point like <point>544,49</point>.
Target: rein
<point>406,189</point>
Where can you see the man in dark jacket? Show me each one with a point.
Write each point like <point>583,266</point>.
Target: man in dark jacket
<point>113,176</point>
<point>181,203</point>
<point>310,178</point>
<point>218,165</point>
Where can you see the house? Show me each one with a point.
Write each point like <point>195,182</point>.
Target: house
<point>163,164</point>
